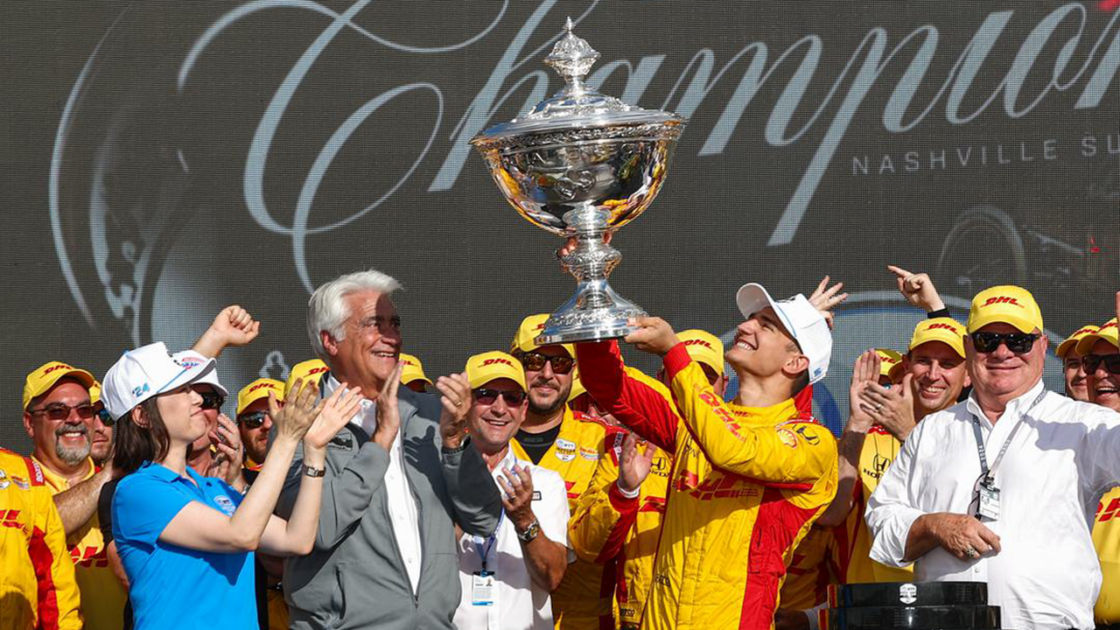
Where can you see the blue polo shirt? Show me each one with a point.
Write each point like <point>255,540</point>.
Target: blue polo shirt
<point>172,586</point>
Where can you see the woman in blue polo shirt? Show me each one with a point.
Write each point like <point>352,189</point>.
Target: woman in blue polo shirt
<point>187,541</point>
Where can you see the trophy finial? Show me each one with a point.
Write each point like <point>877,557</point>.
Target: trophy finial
<point>572,58</point>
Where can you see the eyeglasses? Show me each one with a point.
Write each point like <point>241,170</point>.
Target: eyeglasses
<point>1093,361</point>
<point>212,400</point>
<point>61,411</point>
<point>253,420</point>
<point>484,396</point>
<point>1019,343</point>
<point>534,361</point>
<point>105,417</point>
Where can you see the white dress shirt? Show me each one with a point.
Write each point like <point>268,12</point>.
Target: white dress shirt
<point>1060,461</point>
<point>518,603</point>
<point>402,504</point>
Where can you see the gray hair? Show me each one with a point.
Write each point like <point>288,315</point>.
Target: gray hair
<point>327,309</point>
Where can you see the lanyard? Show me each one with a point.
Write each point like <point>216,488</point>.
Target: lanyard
<point>985,472</point>
<point>484,553</point>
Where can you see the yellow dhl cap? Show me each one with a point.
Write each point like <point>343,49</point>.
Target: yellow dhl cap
<point>311,370</point>
<point>1006,304</point>
<point>1071,342</point>
<point>490,366</point>
<point>944,329</point>
<point>890,362</point>
<point>412,369</point>
<point>525,339</point>
<point>703,347</point>
<point>95,393</point>
<point>1108,332</point>
<point>43,378</point>
<point>257,390</point>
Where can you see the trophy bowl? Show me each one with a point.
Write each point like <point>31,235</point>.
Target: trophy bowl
<point>581,164</point>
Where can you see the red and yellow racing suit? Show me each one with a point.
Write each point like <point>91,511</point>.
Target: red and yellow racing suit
<point>744,479</point>
<point>37,586</point>
<point>1106,538</point>
<point>583,599</point>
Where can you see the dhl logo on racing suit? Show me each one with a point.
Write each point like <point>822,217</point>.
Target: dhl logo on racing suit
<point>716,404</point>
<point>89,557</point>
<point>718,486</point>
<point>10,518</point>
<point>1108,514</point>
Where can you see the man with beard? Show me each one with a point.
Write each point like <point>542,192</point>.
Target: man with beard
<point>999,488</point>
<point>398,479</point>
<point>254,422</point>
<point>1072,370</point>
<point>568,442</point>
<point>58,417</point>
<point>1099,353</point>
<point>101,430</point>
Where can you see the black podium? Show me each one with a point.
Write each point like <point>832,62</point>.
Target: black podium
<point>910,605</point>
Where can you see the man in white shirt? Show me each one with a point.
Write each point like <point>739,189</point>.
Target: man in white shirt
<point>1002,488</point>
<point>507,577</point>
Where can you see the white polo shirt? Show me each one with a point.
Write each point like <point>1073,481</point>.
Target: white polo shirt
<point>1059,462</point>
<point>518,603</point>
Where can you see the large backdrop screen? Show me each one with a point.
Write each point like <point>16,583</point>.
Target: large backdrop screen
<point>164,159</point>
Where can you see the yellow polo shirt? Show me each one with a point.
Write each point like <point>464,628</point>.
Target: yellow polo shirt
<point>102,595</point>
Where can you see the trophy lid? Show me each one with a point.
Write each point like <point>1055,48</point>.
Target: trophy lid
<point>576,105</point>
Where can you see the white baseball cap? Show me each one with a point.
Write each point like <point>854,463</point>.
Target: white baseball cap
<point>145,372</point>
<point>189,358</point>
<point>801,320</point>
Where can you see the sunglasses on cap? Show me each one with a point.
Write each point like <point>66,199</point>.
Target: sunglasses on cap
<point>1093,361</point>
<point>61,411</point>
<point>485,396</point>
<point>534,361</point>
<point>212,400</point>
<point>253,420</point>
<point>1019,343</point>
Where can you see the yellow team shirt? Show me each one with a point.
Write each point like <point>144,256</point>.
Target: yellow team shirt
<point>854,539</point>
<point>583,599</point>
<point>102,594</point>
<point>1106,539</point>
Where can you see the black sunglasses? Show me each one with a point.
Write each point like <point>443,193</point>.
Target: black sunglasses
<point>1093,361</point>
<point>535,361</point>
<point>253,420</point>
<point>484,396</point>
<point>212,400</point>
<point>1019,343</point>
<point>105,417</point>
<point>60,411</point>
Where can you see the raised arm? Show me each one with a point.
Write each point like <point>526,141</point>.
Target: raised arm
<point>608,509</point>
<point>918,290</point>
<point>639,403</point>
<point>198,526</point>
<point>475,499</point>
<point>866,370</point>
<point>233,326</point>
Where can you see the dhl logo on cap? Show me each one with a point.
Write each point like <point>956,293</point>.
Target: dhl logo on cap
<point>491,366</point>
<point>1107,332</point>
<point>310,370</point>
<point>525,338</point>
<point>1005,304</point>
<point>412,369</point>
<point>703,347</point>
<point>944,329</point>
<point>43,378</point>
<point>889,362</point>
<point>257,390</point>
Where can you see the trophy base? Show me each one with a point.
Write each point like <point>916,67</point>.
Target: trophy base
<point>594,313</point>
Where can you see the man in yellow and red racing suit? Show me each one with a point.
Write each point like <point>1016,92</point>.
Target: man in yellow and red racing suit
<point>748,477</point>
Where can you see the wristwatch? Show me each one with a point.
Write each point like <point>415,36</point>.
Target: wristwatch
<point>531,532</point>
<point>314,472</point>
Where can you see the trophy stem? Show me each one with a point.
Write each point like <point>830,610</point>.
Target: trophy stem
<point>595,311</point>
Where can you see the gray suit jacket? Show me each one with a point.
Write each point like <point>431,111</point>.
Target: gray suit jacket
<point>355,577</point>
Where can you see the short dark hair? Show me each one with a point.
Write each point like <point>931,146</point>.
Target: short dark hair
<point>133,444</point>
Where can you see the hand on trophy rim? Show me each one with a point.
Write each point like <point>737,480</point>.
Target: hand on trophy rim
<point>653,335</point>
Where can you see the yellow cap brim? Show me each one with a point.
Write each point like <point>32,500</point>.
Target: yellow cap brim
<point>44,386</point>
<point>1085,346</point>
<point>1023,324</point>
<point>944,335</point>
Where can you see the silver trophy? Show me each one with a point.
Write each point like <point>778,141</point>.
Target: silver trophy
<point>582,164</point>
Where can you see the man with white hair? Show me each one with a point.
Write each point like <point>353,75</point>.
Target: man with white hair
<point>1001,488</point>
<point>399,478</point>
